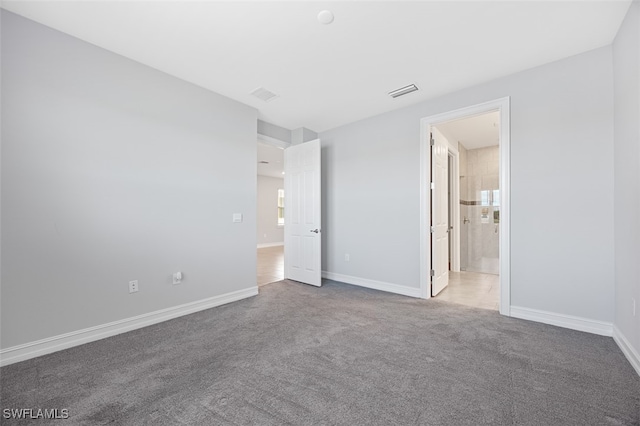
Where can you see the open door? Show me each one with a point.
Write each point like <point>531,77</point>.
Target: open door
<point>439,212</point>
<point>302,242</point>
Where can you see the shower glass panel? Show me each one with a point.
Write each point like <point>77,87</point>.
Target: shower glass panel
<point>480,212</point>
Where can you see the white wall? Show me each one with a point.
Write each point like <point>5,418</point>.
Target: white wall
<point>274,131</point>
<point>113,171</point>
<point>561,183</point>
<point>268,230</point>
<point>626,68</point>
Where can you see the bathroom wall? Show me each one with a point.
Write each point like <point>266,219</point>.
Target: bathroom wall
<point>481,208</point>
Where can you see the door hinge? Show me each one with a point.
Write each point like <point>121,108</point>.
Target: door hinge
<point>433,185</point>
<point>433,229</point>
<point>431,140</point>
<point>433,273</point>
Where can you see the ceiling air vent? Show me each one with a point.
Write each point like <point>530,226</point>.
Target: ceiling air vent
<point>264,94</point>
<point>403,90</point>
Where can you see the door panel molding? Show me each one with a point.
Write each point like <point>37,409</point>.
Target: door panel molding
<point>439,211</point>
<point>302,224</point>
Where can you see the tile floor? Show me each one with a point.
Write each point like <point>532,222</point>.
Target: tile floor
<point>467,288</point>
<point>487,265</point>
<point>270,264</point>
<point>472,289</point>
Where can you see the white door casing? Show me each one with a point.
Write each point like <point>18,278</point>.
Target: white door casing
<point>302,238</point>
<point>501,105</point>
<point>439,212</point>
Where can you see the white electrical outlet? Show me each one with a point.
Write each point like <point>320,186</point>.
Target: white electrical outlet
<point>346,257</point>
<point>133,286</point>
<point>177,278</point>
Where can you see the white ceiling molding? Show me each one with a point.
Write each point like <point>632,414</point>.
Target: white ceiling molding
<point>273,141</point>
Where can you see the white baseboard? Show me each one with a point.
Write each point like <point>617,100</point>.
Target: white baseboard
<point>75,338</point>
<point>562,320</point>
<point>376,285</point>
<point>632,355</point>
<point>264,245</point>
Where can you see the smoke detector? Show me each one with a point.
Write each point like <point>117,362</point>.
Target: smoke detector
<point>264,94</point>
<point>403,90</point>
<point>325,17</point>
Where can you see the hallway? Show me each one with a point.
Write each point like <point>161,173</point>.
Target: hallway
<point>270,265</point>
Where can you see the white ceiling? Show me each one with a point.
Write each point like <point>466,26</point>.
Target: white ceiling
<point>275,159</point>
<point>474,132</point>
<point>329,75</point>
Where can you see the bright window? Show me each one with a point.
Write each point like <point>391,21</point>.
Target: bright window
<point>490,198</point>
<point>280,207</point>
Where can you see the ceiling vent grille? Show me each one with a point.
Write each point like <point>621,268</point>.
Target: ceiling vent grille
<point>403,90</point>
<point>264,94</point>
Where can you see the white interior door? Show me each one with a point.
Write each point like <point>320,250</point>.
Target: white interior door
<point>439,212</point>
<point>302,242</point>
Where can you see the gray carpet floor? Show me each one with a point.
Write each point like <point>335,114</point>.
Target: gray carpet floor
<point>335,355</point>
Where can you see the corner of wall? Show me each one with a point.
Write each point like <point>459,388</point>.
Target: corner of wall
<point>626,88</point>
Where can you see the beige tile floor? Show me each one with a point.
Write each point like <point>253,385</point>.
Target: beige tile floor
<point>467,288</point>
<point>270,264</point>
<point>472,289</point>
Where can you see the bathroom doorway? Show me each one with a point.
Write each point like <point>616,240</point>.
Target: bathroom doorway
<point>476,282</point>
<point>479,136</point>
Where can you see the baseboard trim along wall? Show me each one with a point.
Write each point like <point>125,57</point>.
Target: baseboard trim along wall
<point>376,285</point>
<point>561,320</point>
<point>264,245</point>
<point>582,324</point>
<point>63,341</point>
<point>632,355</point>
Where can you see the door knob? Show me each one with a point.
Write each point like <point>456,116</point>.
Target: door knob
<point>315,230</point>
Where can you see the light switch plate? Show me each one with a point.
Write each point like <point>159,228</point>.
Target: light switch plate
<point>237,217</point>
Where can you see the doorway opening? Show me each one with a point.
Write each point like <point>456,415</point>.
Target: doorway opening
<point>292,173</point>
<point>270,214</point>
<point>476,281</point>
<point>465,206</point>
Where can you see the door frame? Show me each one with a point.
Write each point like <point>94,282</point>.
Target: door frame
<point>501,105</point>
